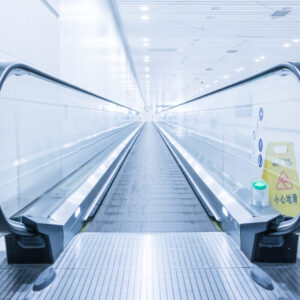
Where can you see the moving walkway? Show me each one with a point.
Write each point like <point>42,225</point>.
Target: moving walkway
<point>126,209</point>
<point>150,193</point>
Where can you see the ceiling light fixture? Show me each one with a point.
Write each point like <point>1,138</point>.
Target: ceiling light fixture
<point>286,45</point>
<point>239,69</point>
<point>145,40</point>
<point>147,69</point>
<point>146,45</point>
<point>296,40</point>
<point>145,17</point>
<point>144,8</point>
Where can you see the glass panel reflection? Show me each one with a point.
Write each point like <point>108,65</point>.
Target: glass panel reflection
<point>246,134</point>
<point>49,131</point>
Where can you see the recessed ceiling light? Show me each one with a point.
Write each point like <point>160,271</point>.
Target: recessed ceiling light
<point>147,69</point>
<point>144,8</point>
<point>239,69</point>
<point>145,17</point>
<point>296,40</point>
<point>145,40</point>
<point>286,45</point>
<point>256,60</point>
<point>251,36</point>
<point>232,51</point>
<point>262,57</point>
<point>147,76</point>
<point>146,45</point>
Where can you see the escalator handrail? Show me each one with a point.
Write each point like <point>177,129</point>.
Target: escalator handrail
<point>8,225</point>
<point>8,67</point>
<point>294,67</point>
<point>287,227</point>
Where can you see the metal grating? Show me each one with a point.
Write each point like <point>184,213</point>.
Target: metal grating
<point>150,266</point>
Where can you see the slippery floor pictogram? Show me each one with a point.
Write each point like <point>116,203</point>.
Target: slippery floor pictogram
<point>284,183</point>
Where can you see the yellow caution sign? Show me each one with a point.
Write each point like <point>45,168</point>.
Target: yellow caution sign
<point>280,172</point>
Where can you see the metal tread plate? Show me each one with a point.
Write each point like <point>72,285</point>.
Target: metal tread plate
<point>150,266</point>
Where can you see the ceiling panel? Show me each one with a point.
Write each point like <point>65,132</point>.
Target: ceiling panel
<point>194,46</point>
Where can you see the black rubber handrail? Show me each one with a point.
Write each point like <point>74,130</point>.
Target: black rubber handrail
<point>292,66</point>
<point>10,226</point>
<point>287,227</point>
<point>7,225</point>
<point>7,68</point>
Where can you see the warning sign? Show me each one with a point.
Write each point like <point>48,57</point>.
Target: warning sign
<point>280,172</point>
<point>284,182</point>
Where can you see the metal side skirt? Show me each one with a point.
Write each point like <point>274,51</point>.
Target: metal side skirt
<point>98,199</point>
<point>84,201</point>
<point>209,209</point>
<point>42,239</point>
<point>249,231</point>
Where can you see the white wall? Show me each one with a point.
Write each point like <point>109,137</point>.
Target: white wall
<point>73,39</point>
<point>29,33</point>
<point>78,41</point>
<point>92,53</point>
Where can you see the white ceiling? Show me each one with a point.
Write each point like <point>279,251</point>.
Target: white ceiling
<point>190,42</point>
